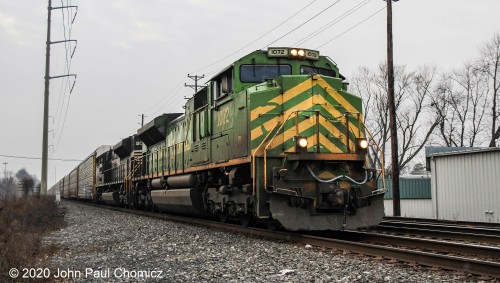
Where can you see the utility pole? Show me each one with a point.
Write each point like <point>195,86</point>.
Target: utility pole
<point>142,120</point>
<point>5,169</point>
<point>47,77</point>
<point>392,115</point>
<point>45,142</point>
<point>196,79</point>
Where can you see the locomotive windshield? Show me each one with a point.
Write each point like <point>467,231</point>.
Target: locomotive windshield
<point>259,73</point>
<point>309,70</point>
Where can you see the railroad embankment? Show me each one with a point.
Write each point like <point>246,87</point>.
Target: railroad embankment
<point>23,222</point>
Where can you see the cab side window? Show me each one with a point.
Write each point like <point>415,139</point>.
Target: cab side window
<point>223,84</point>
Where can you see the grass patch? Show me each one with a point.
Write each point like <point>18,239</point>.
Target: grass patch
<point>23,222</point>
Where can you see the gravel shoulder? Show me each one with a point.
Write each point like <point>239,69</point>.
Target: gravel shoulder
<point>100,245</point>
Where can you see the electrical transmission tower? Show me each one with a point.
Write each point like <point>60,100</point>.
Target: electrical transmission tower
<point>45,139</point>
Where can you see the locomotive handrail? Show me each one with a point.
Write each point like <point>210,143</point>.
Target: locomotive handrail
<point>382,169</point>
<point>271,141</point>
<point>254,153</point>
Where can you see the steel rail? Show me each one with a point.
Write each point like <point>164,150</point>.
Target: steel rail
<point>442,221</point>
<point>479,251</point>
<point>493,231</point>
<point>473,266</point>
<point>444,234</point>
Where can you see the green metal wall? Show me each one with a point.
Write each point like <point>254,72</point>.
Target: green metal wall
<point>409,188</point>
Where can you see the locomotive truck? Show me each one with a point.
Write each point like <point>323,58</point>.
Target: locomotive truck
<point>275,137</point>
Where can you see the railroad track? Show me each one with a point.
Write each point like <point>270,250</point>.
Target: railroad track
<point>442,222</point>
<point>464,231</point>
<point>475,259</point>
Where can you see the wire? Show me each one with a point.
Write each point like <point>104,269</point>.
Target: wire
<point>260,37</point>
<point>332,23</point>
<point>67,69</point>
<point>304,23</point>
<point>173,90</point>
<point>177,88</point>
<point>350,28</point>
<point>36,158</point>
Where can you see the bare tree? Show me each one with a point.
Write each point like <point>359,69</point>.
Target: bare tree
<point>7,186</point>
<point>413,92</point>
<point>27,182</point>
<point>415,124</point>
<point>372,87</point>
<point>460,101</point>
<point>490,65</point>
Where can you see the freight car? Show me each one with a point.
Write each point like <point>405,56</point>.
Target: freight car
<point>275,136</point>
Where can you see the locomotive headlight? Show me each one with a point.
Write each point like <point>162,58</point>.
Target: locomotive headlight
<point>297,52</point>
<point>362,144</point>
<point>301,144</point>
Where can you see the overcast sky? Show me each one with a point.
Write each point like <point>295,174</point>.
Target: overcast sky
<point>133,57</point>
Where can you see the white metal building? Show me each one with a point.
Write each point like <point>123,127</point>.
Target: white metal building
<point>415,197</point>
<point>465,185</point>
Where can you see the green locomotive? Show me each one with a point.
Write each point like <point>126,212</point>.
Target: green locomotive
<point>275,137</point>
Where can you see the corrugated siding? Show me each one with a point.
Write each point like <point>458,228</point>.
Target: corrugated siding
<point>409,188</point>
<point>66,186</point>
<point>418,208</point>
<point>73,185</point>
<point>467,186</point>
<point>86,178</point>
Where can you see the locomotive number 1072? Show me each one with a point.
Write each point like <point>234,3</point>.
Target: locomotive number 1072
<point>277,52</point>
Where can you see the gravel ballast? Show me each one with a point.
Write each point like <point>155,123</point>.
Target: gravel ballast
<point>100,245</point>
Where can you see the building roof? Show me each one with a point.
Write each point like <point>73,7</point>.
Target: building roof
<point>461,151</point>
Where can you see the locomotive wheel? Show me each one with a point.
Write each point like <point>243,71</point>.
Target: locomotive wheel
<point>223,217</point>
<point>272,225</point>
<point>245,219</point>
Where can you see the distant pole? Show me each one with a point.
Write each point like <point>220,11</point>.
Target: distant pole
<point>45,142</point>
<point>5,169</point>
<point>392,115</point>
<point>142,119</point>
<point>196,78</point>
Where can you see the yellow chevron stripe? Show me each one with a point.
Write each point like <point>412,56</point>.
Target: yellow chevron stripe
<point>333,93</point>
<point>261,110</point>
<point>303,126</point>
<point>315,99</point>
<point>330,127</point>
<point>331,147</point>
<point>268,126</point>
<point>298,89</point>
<point>270,105</point>
<point>336,113</point>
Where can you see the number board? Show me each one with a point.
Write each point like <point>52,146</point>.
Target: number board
<point>311,54</point>
<point>277,52</point>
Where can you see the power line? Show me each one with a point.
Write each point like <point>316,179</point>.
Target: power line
<point>67,42</point>
<point>304,23</point>
<point>178,86</point>
<point>369,17</point>
<point>38,158</point>
<point>260,37</point>
<point>332,23</point>
<point>173,92</point>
